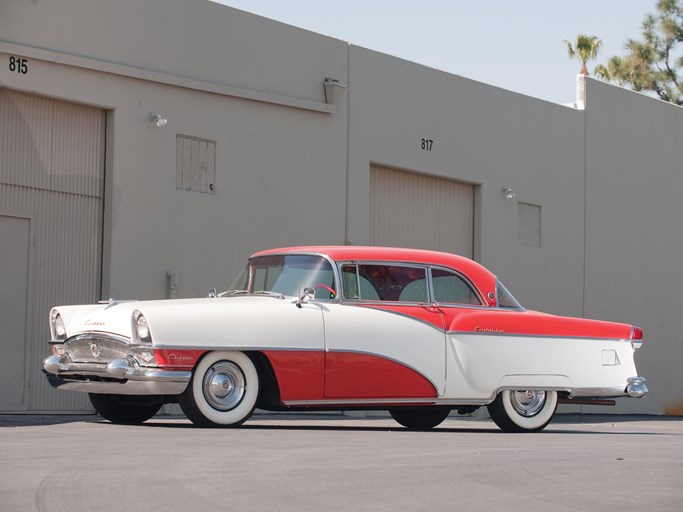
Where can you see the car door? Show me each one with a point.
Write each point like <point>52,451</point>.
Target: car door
<point>384,339</point>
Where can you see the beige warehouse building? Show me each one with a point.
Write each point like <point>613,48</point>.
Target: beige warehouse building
<point>147,148</point>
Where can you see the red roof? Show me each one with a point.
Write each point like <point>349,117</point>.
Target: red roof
<point>481,277</point>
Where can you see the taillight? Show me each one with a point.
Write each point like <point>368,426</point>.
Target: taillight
<point>637,337</point>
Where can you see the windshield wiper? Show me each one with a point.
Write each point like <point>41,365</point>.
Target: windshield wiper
<point>233,293</point>
<point>230,293</point>
<point>269,293</point>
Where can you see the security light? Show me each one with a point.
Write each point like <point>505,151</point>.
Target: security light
<point>158,119</point>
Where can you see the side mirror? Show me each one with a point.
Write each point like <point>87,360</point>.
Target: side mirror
<point>307,294</point>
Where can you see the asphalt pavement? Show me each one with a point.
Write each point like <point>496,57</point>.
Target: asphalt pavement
<point>335,463</point>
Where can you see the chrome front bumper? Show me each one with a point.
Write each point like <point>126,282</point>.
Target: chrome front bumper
<point>119,377</point>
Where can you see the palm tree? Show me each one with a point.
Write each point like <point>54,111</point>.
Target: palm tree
<point>584,49</point>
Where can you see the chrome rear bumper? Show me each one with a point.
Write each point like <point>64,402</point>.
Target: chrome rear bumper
<point>636,387</point>
<point>119,377</point>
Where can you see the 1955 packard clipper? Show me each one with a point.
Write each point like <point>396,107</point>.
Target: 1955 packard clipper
<point>417,333</point>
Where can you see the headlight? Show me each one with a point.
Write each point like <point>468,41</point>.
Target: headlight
<point>57,326</point>
<point>140,328</point>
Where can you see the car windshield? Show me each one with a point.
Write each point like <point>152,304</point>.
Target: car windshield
<point>287,275</point>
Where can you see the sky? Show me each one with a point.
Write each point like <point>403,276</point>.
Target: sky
<point>513,44</point>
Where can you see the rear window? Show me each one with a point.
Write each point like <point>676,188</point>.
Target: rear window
<point>451,288</point>
<point>505,298</point>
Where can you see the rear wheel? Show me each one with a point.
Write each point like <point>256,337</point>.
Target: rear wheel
<point>420,418</point>
<point>523,410</point>
<point>125,409</point>
<point>222,392</point>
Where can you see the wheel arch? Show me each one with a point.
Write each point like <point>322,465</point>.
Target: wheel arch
<point>269,388</point>
<point>269,391</point>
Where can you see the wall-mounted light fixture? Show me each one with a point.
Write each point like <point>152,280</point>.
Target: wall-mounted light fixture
<point>333,90</point>
<point>158,119</point>
<point>508,193</point>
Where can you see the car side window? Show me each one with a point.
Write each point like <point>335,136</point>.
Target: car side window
<point>352,280</point>
<point>451,288</point>
<point>396,283</point>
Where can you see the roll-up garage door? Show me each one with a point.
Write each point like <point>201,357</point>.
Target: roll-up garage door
<point>51,188</point>
<point>414,210</point>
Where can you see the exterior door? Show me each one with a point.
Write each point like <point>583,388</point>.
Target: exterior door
<point>414,210</point>
<point>14,279</point>
<point>51,170</point>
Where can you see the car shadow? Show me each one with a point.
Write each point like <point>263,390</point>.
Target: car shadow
<point>568,424</point>
<point>31,420</point>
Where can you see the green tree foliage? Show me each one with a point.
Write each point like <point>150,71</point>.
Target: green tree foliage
<point>585,48</point>
<point>652,64</point>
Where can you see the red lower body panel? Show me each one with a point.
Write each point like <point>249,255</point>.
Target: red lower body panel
<point>316,376</point>
<point>177,359</point>
<point>353,375</point>
<point>300,373</point>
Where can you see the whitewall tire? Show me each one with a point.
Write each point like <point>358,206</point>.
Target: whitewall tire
<point>523,410</point>
<point>223,390</point>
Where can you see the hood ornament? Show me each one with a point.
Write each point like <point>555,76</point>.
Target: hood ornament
<point>95,350</point>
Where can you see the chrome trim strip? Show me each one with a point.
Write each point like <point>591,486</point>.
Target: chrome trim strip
<point>374,305</point>
<point>616,392</point>
<point>449,305</point>
<point>359,401</point>
<point>521,335</point>
<point>241,348</point>
<point>100,335</point>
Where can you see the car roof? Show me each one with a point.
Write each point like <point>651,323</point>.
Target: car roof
<point>481,277</point>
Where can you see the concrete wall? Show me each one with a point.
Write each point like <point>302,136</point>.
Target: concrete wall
<point>634,230</point>
<point>280,170</point>
<point>486,136</point>
<point>188,38</point>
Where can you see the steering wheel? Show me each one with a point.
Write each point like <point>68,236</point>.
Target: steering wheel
<point>334,294</point>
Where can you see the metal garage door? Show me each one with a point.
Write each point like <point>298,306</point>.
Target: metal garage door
<point>51,185</point>
<point>414,210</point>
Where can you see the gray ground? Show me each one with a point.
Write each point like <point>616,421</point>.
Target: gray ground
<point>311,463</point>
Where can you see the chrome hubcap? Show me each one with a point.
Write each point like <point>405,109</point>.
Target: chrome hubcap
<point>527,403</point>
<point>224,385</point>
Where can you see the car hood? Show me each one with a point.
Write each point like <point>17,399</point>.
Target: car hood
<point>198,322</point>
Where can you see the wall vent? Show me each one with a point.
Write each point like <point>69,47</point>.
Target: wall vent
<point>529,224</point>
<point>195,164</point>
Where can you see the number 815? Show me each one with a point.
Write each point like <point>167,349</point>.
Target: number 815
<point>18,65</point>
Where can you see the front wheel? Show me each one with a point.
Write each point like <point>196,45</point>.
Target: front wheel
<point>523,410</point>
<point>222,392</point>
<point>125,409</point>
<point>420,418</point>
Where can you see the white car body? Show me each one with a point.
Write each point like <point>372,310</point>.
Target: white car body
<point>367,342</point>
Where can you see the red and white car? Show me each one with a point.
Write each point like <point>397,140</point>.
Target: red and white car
<point>417,333</point>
